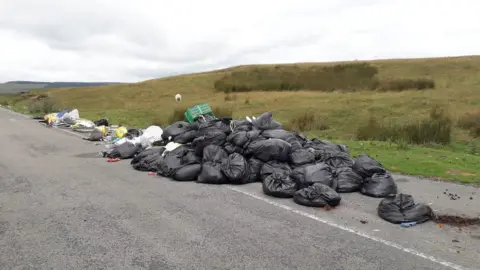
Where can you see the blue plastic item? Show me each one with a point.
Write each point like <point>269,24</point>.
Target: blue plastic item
<point>408,224</point>
<point>62,113</point>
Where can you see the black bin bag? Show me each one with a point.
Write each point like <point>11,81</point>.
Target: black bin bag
<point>125,150</point>
<point>366,166</point>
<point>176,129</point>
<point>215,137</point>
<point>269,149</point>
<point>236,169</point>
<point>177,159</point>
<point>326,146</point>
<point>148,163</point>
<point>302,157</point>
<point>188,173</point>
<point>242,138</point>
<point>339,160</point>
<point>317,195</point>
<point>231,148</point>
<point>255,166</point>
<point>266,122</point>
<point>133,133</point>
<point>296,144</point>
<point>402,208</point>
<point>379,185</point>
<point>347,180</point>
<point>147,152</point>
<point>101,122</point>
<point>278,134</point>
<point>148,159</point>
<point>307,175</point>
<point>185,137</point>
<point>211,173</point>
<point>220,124</point>
<point>279,185</point>
<point>242,125</point>
<point>272,167</point>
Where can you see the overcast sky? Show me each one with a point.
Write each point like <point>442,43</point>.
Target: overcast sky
<point>120,40</point>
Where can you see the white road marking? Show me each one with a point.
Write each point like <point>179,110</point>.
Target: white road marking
<point>350,230</point>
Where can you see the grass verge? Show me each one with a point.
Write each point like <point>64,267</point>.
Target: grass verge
<point>444,163</point>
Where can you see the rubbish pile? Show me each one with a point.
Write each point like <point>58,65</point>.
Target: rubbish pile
<point>225,151</point>
<point>72,119</point>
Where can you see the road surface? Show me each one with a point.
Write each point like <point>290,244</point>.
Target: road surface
<point>62,207</point>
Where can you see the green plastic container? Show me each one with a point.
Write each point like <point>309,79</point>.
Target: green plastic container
<point>201,109</point>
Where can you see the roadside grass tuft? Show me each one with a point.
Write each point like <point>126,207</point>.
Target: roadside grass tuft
<point>436,129</point>
<point>307,121</point>
<point>471,122</point>
<point>42,105</point>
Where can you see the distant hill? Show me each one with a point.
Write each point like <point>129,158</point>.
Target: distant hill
<point>21,86</point>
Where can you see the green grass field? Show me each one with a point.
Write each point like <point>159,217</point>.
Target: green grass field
<point>339,108</point>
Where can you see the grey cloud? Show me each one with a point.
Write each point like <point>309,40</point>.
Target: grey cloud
<point>126,40</point>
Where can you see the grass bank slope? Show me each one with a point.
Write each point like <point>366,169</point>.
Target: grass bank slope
<point>456,83</point>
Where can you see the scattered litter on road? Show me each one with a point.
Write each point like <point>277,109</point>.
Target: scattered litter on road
<point>452,196</point>
<point>113,159</point>
<point>327,208</point>
<point>408,224</point>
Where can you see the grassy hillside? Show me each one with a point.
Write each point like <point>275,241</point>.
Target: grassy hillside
<point>338,102</point>
<point>22,86</point>
<point>456,79</point>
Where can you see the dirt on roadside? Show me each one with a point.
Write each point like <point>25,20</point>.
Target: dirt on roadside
<point>456,221</point>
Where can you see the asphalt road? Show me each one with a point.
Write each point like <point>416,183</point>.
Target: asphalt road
<point>62,207</point>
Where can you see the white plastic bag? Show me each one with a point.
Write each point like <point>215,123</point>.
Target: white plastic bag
<point>150,135</point>
<point>74,114</point>
<point>84,123</point>
<point>70,117</point>
<point>170,147</point>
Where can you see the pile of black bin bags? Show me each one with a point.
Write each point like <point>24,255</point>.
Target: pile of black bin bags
<point>225,151</point>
